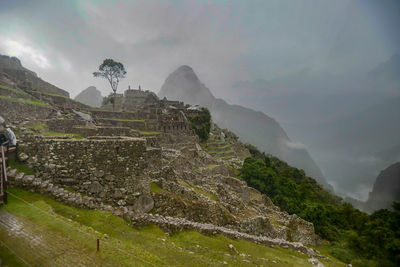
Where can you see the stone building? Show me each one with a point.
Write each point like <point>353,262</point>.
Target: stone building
<point>162,115</point>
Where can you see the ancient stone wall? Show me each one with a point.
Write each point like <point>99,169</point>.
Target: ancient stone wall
<point>169,140</point>
<point>64,125</point>
<point>134,124</point>
<point>103,131</point>
<point>107,168</point>
<point>13,111</point>
<point>14,93</point>
<point>113,114</point>
<point>60,101</point>
<point>175,127</point>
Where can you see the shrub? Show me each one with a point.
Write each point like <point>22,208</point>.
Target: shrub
<point>201,123</point>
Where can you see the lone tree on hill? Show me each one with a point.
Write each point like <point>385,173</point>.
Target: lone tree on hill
<point>114,72</point>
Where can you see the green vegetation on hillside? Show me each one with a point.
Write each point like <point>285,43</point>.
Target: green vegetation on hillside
<point>20,167</point>
<point>67,237</point>
<point>48,94</point>
<point>72,135</point>
<point>25,101</point>
<point>114,119</point>
<point>201,123</point>
<point>355,237</point>
<point>18,91</point>
<point>42,128</point>
<point>145,132</point>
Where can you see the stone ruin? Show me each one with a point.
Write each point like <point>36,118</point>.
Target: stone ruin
<point>160,115</point>
<point>142,161</point>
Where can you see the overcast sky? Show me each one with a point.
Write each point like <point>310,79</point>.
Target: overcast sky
<point>224,41</point>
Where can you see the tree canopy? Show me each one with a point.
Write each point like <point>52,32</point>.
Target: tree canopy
<point>354,236</point>
<point>201,123</point>
<point>113,71</point>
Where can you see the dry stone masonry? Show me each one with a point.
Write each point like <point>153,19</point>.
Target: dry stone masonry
<point>143,162</point>
<point>168,224</point>
<point>108,168</point>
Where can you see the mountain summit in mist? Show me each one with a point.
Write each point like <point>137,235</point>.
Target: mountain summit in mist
<point>90,96</point>
<point>251,126</point>
<point>386,189</point>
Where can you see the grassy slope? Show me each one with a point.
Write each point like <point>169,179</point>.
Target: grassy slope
<point>42,128</point>
<point>75,231</point>
<point>25,101</point>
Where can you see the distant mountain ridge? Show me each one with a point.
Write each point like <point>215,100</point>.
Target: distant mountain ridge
<point>386,189</point>
<point>12,71</point>
<point>251,126</point>
<point>386,75</point>
<point>349,121</point>
<point>90,96</point>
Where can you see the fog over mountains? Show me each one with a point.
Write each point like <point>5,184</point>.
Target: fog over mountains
<point>251,126</point>
<point>316,68</point>
<point>350,124</point>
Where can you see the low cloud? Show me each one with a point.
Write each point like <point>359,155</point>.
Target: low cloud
<point>30,55</point>
<point>295,145</point>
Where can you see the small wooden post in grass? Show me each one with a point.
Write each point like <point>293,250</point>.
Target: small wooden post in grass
<point>98,245</point>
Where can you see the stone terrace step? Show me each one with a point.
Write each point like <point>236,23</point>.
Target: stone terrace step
<point>226,147</point>
<point>134,124</point>
<point>170,224</point>
<point>216,143</point>
<point>173,224</point>
<point>103,114</point>
<point>11,92</point>
<point>222,154</point>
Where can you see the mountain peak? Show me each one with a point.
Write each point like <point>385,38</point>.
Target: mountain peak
<point>90,96</point>
<point>183,84</point>
<point>184,68</point>
<point>251,126</point>
<point>186,72</point>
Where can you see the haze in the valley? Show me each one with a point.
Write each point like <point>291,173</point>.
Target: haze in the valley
<point>326,71</point>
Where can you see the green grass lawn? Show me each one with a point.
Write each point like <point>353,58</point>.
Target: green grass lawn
<point>74,232</point>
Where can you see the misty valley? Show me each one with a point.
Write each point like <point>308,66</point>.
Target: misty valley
<point>200,133</point>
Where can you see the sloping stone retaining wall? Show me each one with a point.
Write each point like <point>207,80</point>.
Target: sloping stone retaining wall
<point>108,168</point>
<point>113,114</point>
<point>64,125</point>
<point>13,111</point>
<point>168,224</point>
